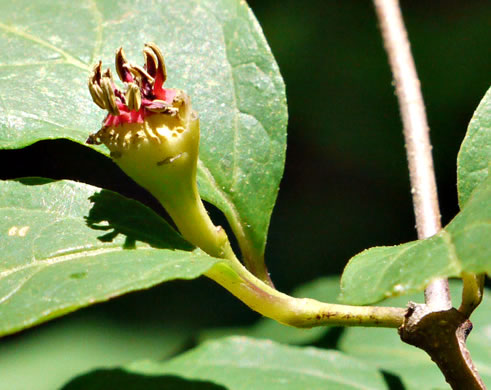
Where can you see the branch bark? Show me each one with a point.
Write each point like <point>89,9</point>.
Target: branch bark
<point>416,135</point>
<point>442,335</point>
<point>434,327</point>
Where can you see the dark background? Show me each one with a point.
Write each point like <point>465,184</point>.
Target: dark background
<point>346,185</point>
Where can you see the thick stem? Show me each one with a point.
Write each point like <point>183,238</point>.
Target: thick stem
<point>416,135</point>
<point>442,335</point>
<point>190,216</point>
<point>195,225</point>
<point>298,312</point>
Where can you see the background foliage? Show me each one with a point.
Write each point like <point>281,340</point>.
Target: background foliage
<point>344,140</point>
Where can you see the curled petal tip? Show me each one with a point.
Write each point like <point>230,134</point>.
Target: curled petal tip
<point>161,74</point>
<point>151,61</point>
<point>121,68</point>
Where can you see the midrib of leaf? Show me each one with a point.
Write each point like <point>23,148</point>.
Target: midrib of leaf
<point>98,40</point>
<point>72,255</point>
<point>232,81</point>
<point>18,287</point>
<point>68,57</point>
<point>453,257</point>
<point>232,214</point>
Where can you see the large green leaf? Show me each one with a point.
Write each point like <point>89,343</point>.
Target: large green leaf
<point>475,152</point>
<point>66,245</point>
<point>214,49</point>
<point>117,379</point>
<point>38,359</point>
<point>464,245</point>
<point>239,363</point>
<point>384,349</point>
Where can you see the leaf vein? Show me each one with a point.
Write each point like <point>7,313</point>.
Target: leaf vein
<point>452,251</point>
<point>99,27</point>
<point>55,260</point>
<point>69,58</point>
<point>16,288</point>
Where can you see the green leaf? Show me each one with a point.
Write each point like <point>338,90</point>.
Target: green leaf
<point>384,349</point>
<point>239,363</point>
<point>121,379</point>
<point>464,245</point>
<point>38,359</point>
<point>214,50</point>
<point>475,152</point>
<point>66,245</point>
<point>323,289</point>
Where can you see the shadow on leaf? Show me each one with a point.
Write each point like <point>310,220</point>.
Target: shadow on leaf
<point>115,215</point>
<point>393,381</point>
<point>118,379</point>
<point>34,180</point>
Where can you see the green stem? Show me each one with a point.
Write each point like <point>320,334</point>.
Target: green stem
<point>298,312</point>
<point>190,216</point>
<point>196,226</point>
<point>253,257</point>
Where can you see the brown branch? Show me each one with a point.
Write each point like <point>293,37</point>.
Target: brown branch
<point>442,335</point>
<point>435,327</point>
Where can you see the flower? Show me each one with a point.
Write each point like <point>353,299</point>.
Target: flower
<point>151,131</point>
<point>144,97</point>
<point>145,94</point>
<point>153,134</point>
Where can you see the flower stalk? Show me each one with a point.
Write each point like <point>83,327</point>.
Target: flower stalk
<point>298,312</point>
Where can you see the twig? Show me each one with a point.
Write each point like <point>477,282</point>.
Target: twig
<point>435,327</point>
<point>416,134</point>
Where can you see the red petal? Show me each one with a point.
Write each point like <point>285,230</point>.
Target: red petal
<point>164,94</point>
<point>158,83</point>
